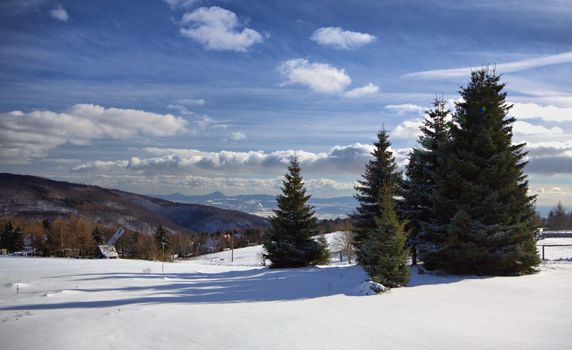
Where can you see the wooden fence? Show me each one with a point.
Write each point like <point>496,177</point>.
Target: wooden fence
<point>552,245</point>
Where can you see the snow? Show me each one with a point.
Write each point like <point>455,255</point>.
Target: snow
<point>250,256</point>
<point>209,303</point>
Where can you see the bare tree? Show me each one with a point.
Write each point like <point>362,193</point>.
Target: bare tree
<point>344,243</point>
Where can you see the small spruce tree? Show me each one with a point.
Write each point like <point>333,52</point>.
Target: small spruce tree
<point>97,236</point>
<point>386,246</point>
<point>290,242</point>
<point>324,257</point>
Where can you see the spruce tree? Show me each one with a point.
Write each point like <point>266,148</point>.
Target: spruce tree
<point>381,169</point>
<point>482,191</point>
<point>386,245</point>
<point>420,183</point>
<point>557,218</point>
<point>6,236</point>
<point>49,244</point>
<point>290,242</point>
<point>97,236</point>
<point>18,239</point>
<point>11,238</point>
<point>162,240</point>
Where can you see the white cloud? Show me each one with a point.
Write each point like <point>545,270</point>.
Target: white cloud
<point>515,66</point>
<point>28,135</point>
<point>205,122</point>
<point>405,108</point>
<point>182,110</point>
<point>546,113</point>
<point>408,130</point>
<point>320,77</point>
<point>218,29</point>
<point>191,101</point>
<point>525,128</point>
<point>181,3</point>
<point>366,90</point>
<point>539,91</point>
<point>237,136</point>
<point>101,165</point>
<point>339,38</point>
<point>182,105</point>
<point>59,13</point>
<point>328,184</point>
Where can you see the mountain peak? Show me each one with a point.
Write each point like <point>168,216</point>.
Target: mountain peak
<point>217,194</point>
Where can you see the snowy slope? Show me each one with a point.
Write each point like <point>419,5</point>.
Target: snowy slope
<point>212,304</point>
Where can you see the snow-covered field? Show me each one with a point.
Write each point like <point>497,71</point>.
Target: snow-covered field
<point>211,303</point>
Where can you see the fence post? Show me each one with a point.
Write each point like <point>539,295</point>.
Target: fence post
<point>543,253</point>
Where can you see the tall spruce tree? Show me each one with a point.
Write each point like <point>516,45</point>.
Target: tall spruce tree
<point>386,249</point>
<point>482,191</point>
<point>378,171</point>
<point>420,184</point>
<point>290,242</point>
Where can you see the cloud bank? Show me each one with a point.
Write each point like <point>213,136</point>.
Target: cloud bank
<point>548,158</point>
<point>232,185</point>
<point>339,160</point>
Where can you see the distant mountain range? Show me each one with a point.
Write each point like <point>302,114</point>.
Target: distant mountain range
<point>40,198</point>
<point>262,204</point>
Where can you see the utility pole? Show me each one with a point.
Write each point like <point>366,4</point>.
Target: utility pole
<point>163,262</point>
<point>232,246</point>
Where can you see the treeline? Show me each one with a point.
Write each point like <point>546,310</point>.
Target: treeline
<point>558,219</point>
<point>75,237</point>
<point>333,225</point>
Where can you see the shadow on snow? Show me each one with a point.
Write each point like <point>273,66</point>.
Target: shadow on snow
<point>253,285</point>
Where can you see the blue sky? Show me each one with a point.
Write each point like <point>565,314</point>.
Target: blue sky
<point>161,96</point>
